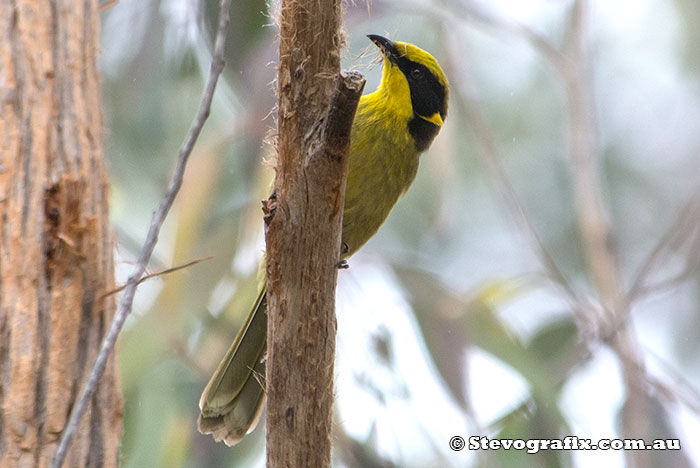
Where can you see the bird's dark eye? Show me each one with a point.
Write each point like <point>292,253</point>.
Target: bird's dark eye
<point>417,73</point>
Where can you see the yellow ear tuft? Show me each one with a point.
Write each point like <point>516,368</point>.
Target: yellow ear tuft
<point>435,119</point>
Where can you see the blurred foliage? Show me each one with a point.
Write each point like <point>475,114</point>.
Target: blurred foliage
<point>452,323</point>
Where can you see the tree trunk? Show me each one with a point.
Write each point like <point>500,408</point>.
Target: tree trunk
<point>56,247</point>
<point>303,219</point>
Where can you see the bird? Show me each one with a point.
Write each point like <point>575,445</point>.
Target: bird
<point>393,126</point>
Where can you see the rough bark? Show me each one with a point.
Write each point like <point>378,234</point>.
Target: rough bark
<point>303,218</point>
<point>56,247</point>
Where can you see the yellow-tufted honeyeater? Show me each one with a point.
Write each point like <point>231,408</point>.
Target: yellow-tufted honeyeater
<point>392,127</point>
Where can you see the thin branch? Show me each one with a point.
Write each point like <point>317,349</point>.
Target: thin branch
<point>591,211</point>
<point>493,162</point>
<point>125,305</point>
<point>166,271</point>
<point>539,42</point>
<point>686,225</point>
<point>683,390</point>
<point>587,312</point>
<point>682,234</point>
<point>678,233</point>
<point>595,226</point>
<point>478,15</point>
<point>107,5</point>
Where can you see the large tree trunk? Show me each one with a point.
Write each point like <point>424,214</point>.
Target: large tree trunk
<point>316,110</point>
<point>56,251</point>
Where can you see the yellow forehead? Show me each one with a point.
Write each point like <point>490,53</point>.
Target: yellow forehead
<point>416,54</point>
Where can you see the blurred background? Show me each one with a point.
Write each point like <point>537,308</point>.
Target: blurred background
<point>538,280</point>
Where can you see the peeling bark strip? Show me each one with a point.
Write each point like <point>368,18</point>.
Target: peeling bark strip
<point>55,240</point>
<point>303,227</point>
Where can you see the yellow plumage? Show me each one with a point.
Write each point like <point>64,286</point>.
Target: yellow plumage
<point>383,159</point>
<point>392,127</point>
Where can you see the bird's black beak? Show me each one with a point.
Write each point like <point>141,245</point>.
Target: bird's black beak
<point>387,47</point>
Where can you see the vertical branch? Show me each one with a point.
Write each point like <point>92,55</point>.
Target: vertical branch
<point>591,211</point>
<point>303,231</point>
<point>596,231</point>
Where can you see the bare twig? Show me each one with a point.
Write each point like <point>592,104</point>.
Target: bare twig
<point>595,227</point>
<point>591,211</point>
<point>539,42</point>
<point>477,14</point>
<point>682,390</point>
<point>684,229</point>
<point>587,312</point>
<point>166,271</point>
<point>107,5</point>
<point>613,329</point>
<point>125,305</point>
<point>493,162</point>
